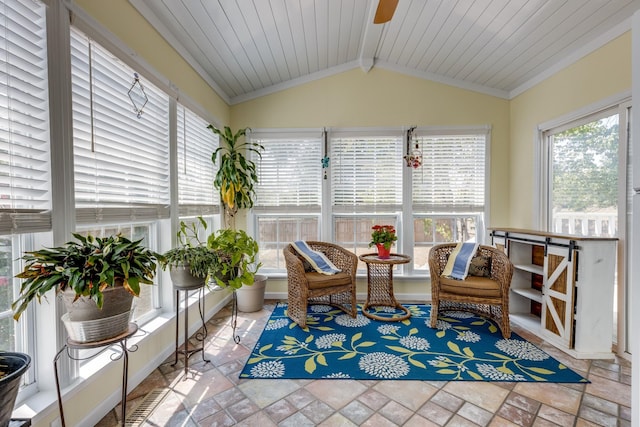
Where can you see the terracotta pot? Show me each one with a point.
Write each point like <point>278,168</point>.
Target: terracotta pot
<point>382,252</point>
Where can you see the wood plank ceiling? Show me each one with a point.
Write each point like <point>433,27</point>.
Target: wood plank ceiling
<point>248,48</point>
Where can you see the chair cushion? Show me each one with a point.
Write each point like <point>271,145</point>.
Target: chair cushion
<point>472,286</point>
<point>317,280</point>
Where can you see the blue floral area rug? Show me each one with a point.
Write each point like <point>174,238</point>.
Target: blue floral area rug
<point>334,345</point>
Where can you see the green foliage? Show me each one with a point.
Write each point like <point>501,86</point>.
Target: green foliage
<point>241,250</point>
<point>192,251</point>
<point>585,167</point>
<point>236,175</point>
<point>87,266</point>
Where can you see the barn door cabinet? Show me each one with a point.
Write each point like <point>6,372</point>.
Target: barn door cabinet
<point>562,288</point>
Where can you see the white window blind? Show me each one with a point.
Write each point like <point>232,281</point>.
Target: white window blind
<point>121,162</point>
<point>290,173</point>
<point>196,143</point>
<point>366,173</point>
<point>24,140</point>
<point>452,176</point>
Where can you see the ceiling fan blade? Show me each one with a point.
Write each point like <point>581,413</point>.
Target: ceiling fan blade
<point>385,10</point>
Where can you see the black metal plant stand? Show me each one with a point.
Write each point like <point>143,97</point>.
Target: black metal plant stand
<point>234,317</point>
<point>201,335</point>
<point>121,340</point>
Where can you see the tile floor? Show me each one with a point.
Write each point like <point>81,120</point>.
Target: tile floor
<point>212,395</point>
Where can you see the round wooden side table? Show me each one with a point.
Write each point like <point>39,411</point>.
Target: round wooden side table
<point>380,285</point>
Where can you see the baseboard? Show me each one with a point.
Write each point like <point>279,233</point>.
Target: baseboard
<point>408,298</point>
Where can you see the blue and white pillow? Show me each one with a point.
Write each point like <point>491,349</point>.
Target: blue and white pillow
<point>458,264</point>
<point>318,260</point>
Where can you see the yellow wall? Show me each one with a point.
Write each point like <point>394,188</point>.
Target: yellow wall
<point>124,21</point>
<point>603,73</point>
<point>386,98</point>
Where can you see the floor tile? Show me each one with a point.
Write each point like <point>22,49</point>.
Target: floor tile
<point>264,392</point>
<point>488,396</point>
<point>336,393</point>
<point>609,390</point>
<point>212,394</point>
<point>396,412</point>
<point>435,413</point>
<point>412,394</point>
<point>317,411</point>
<point>475,414</point>
<point>373,399</point>
<point>556,416</point>
<point>297,420</point>
<point>554,395</point>
<point>516,415</point>
<point>356,412</point>
<point>280,410</point>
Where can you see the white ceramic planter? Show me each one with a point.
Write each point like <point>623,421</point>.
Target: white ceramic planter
<point>251,298</point>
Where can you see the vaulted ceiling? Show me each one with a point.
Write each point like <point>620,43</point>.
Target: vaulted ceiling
<point>249,48</point>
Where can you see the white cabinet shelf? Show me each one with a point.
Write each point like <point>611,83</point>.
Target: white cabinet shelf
<point>531,268</point>
<point>528,321</point>
<point>532,294</point>
<point>562,288</point>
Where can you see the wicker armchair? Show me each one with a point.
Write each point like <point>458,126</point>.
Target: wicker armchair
<point>486,296</point>
<point>309,287</point>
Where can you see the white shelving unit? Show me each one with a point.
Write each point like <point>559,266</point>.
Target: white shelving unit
<point>562,288</point>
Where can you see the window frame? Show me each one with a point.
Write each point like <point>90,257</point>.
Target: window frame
<point>400,215</point>
<point>622,104</point>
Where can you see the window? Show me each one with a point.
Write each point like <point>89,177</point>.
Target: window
<point>367,183</point>
<point>121,161</point>
<point>448,192</point>
<point>24,140</point>
<point>366,186</point>
<point>288,194</point>
<point>196,195</point>
<point>25,196</point>
<point>586,175</point>
<point>583,176</point>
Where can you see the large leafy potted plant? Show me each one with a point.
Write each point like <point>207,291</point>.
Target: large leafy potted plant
<point>97,279</point>
<point>238,269</point>
<point>12,366</point>
<point>191,262</point>
<point>235,181</point>
<point>236,174</point>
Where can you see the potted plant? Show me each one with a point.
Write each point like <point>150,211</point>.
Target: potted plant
<point>191,262</point>
<point>12,366</point>
<point>236,174</point>
<point>383,237</point>
<point>238,269</point>
<point>235,180</point>
<point>96,277</point>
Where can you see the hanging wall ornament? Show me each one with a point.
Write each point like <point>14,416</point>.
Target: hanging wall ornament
<point>325,159</point>
<point>137,95</point>
<point>414,157</point>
